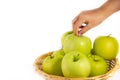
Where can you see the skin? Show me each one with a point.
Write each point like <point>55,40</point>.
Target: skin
<point>94,17</point>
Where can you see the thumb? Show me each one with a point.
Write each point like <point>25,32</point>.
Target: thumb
<point>84,29</point>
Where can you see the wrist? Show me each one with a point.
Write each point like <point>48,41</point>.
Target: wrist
<point>110,7</point>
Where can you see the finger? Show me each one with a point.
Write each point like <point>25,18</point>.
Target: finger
<point>74,29</point>
<point>73,23</point>
<point>84,29</point>
<point>77,26</point>
<point>74,20</point>
<point>80,25</point>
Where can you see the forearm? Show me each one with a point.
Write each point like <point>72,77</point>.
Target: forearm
<point>110,7</point>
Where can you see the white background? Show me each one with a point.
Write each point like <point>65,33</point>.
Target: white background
<point>29,28</point>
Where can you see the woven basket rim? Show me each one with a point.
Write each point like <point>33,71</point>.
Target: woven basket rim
<point>105,76</point>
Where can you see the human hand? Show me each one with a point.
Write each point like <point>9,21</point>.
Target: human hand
<point>92,18</point>
<point>87,20</point>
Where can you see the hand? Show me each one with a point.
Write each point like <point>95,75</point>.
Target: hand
<point>90,19</point>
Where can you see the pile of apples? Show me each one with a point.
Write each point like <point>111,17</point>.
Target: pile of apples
<point>78,58</point>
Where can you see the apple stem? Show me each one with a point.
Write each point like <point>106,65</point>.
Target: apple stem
<point>51,57</point>
<point>76,58</point>
<point>109,35</point>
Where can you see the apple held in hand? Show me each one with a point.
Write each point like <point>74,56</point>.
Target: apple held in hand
<point>77,43</point>
<point>52,63</point>
<point>106,47</point>
<point>98,65</point>
<point>75,64</point>
<point>64,36</point>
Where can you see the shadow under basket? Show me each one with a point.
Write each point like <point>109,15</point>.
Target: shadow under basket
<point>113,66</point>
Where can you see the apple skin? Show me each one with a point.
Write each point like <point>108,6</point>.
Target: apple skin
<point>58,52</point>
<point>52,63</point>
<point>75,64</point>
<point>77,43</point>
<point>64,36</point>
<point>98,65</point>
<point>106,47</point>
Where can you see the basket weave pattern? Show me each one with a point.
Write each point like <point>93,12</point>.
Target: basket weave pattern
<point>113,66</point>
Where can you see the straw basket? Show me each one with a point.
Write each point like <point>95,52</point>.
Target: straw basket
<point>113,66</point>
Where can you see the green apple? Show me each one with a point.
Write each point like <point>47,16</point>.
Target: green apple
<point>75,64</point>
<point>58,52</point>
<point>52,63</point>
<point>92,51</point>
<point>77,43</point>
<point>98,65</point>
<point>106,47</point>
<point>64,36</point>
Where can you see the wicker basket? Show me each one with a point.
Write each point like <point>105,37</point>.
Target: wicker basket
<point>113,66</point>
